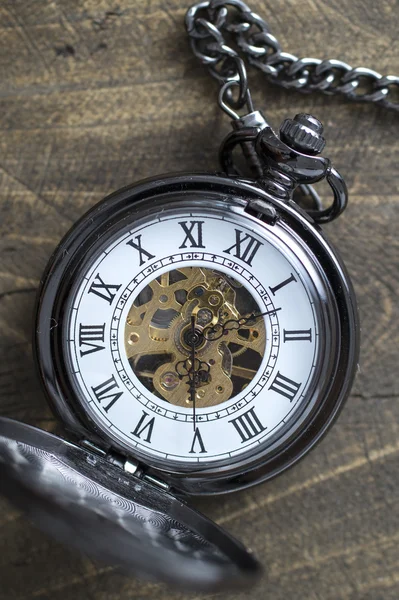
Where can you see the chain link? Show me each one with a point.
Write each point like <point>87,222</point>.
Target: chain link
<point>207,24</point>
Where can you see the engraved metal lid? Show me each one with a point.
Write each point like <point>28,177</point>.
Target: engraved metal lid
<point>85,501</point>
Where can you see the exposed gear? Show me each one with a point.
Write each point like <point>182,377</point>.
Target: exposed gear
<point>158,335</point>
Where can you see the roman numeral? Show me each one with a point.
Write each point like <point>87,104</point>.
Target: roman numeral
<point>282,284</point>
<point>108,390</point>
<point>297,335</point>
<point>144,426</point>
<point>284,386</point>
<point>248,425</point>
<point>193,234</point>
<point>245,247</point>
<point>197,439</point>
<point>137,246</point>
<point>103,290</point>
<point>88,336</point>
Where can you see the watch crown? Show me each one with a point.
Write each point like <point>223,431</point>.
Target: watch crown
<point>303,133</point>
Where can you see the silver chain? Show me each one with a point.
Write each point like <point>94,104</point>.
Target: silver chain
<point>209,22</point>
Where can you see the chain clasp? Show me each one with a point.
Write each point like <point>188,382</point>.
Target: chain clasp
<point>288,162</point>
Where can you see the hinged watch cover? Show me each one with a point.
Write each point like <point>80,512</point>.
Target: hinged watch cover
<point>87,502</point>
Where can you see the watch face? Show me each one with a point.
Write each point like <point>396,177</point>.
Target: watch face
<point>193,336</point>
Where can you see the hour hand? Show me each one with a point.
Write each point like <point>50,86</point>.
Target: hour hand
<point>215,332</point>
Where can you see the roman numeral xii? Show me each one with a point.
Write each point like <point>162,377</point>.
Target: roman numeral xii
<point>245,247</point>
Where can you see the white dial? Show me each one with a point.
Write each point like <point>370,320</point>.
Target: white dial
<point>193,336</point>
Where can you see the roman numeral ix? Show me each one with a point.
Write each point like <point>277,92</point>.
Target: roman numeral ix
<point>284,386</point>
<point>144,427</point>
<point>248,425</point>
<point>142,253</point>
<point>108,390</point>
<point>245,247</point>
<point>103,290</point>
<point>89,335</point>
<point>193,234</point>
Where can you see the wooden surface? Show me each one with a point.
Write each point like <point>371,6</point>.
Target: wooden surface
<point>95,95</point>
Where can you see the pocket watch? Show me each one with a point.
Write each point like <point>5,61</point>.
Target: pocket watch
<point>195,334</point>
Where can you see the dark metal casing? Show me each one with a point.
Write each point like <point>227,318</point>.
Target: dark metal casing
<point>85,501</point>
<point>231,195</point>
<point>83,493</point>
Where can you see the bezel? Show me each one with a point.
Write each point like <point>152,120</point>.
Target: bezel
<point>277,237</point>
<point>228,195</point>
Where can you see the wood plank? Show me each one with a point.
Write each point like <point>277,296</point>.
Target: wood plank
<point>95,95</point>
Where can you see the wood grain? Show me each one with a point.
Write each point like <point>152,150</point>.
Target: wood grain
<point>96,94</point>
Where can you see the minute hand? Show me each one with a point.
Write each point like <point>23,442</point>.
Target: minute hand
<point>215,332</point>
<point>193,374</point>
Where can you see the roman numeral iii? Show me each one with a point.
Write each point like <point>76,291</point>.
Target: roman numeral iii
<point>105,291</point>
<point>108,390</point>
<point>193,234</point>
<point>245,247</point>
<point>89,335</point>
<point>248,425</point>
<point>284,386</point>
